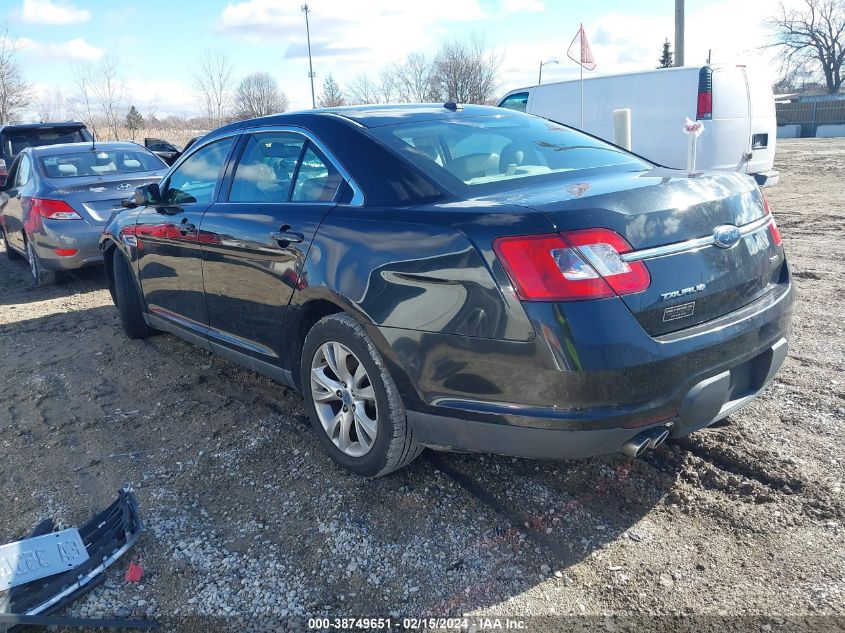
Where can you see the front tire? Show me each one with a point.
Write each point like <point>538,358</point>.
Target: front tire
<point>354,405</point>
<point>40,276</point>
<point>127,298</point>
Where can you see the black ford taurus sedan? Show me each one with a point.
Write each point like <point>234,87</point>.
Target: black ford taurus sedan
<point>464,278</point>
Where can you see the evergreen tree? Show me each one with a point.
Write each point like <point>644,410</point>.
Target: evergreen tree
<point>134,121</point>
<point>666,58</point>
<point>332,96</point>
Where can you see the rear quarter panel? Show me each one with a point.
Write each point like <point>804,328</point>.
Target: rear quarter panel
<point>399,271</point>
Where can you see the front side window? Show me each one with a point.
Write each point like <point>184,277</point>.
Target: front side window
<point>518,102</point>
<point>99,162</point>
<point>267,167</point>
<point>24,171</point>
<point>500,150</point>
<point>196,178</point>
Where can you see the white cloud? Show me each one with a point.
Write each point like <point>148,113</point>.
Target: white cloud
<point>628,42</point>
<point>75,49</point>
<point>53,12</point>
<point>515,6</point>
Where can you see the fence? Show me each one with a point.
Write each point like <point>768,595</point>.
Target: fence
<point>810,113</point>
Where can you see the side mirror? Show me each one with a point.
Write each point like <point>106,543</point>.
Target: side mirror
<point>147,195</point>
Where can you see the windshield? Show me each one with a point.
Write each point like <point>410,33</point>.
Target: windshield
<point>99,162</point>
<point>496,149</point>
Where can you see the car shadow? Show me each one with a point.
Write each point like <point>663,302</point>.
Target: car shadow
<point>229,457</point>
<point>17,287</point>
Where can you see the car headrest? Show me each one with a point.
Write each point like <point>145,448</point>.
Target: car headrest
<point>67,169</point>
<point>131,163</point>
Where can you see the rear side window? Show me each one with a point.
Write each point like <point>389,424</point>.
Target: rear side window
<point>196,177</point>
<point>316,180</point>
<point>517,101</point>
<point>14,141</point>
<point>267,167</point>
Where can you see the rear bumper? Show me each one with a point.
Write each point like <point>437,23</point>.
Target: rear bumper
<point>67,234</point>
<point>708,401</point>
<point>588,393</point>
<point>767,178</point>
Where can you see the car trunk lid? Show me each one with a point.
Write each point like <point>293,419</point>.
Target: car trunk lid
<point>670,217</point>
<point>96,201</point>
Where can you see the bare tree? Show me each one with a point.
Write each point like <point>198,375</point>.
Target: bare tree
<point>332,96</point>
<point>52,106</point>
<point>466,71</point>
<point>15,93</point>
<point>413,80</point>
<point>102,96</point>
<point>362,91</point>
<point>257,95</point>
<point>812,39</point>
<point>213,83</point>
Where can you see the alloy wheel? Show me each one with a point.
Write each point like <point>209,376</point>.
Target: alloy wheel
<point>344,398</point>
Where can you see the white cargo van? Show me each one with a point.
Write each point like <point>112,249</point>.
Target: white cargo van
<point>735,104</point>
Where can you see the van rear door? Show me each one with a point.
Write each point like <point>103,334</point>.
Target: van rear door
<point>763,123</point>
<point>727,142</point>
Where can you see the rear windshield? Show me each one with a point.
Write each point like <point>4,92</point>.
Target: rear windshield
<point>499,149</point>
<point>98,163</point>
<point>16,140</point>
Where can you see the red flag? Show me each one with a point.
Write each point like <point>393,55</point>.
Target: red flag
<point>582,54</point>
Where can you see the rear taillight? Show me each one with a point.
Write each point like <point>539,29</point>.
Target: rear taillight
<point>570,266</point>
<point>54,209</point>
<point>4,171</point>
<point>774,231</point>
<point>704,108</point>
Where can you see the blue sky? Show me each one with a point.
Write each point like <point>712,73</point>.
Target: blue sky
<point>158,42</point>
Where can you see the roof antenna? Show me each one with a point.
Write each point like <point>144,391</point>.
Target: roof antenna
<point>93,141</point>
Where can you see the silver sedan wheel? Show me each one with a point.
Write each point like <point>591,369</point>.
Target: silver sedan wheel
<point>344,399</point>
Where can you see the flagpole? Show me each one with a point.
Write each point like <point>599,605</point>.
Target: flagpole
<point>582,95</point>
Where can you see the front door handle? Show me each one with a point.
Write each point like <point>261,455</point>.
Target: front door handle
<point>288,236</point>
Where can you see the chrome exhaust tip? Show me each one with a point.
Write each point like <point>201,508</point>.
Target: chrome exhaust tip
<point>637,445</point>
<point>640,443</point>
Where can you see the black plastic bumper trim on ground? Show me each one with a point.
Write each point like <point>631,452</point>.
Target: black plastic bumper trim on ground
<point>107,536</point>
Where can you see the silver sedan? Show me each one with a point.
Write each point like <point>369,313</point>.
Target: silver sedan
<point>58,198</point>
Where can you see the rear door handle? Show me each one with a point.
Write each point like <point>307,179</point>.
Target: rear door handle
<point>188,229</point>
<point>285,235</point>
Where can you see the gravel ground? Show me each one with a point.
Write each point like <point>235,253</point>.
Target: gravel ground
<point>249,523</point>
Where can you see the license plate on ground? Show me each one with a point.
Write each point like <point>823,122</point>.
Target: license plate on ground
<point>40,556</point>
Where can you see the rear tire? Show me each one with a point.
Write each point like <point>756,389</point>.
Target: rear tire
<point>367,391</point>
<point>11,253</point>
<point>128,299</point>
<point>40,276</point>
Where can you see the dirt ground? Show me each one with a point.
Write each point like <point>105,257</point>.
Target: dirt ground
<point>249,524</point>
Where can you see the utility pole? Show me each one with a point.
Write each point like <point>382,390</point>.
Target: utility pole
<point>679,32</point>
<point>540,77</point>
<point>306,11</point>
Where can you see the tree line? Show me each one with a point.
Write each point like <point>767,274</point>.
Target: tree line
<point>810,40</point>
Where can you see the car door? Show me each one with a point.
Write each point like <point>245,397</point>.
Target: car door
<point>19,176</point>
<point>256,237</point>
<point>169,255</point>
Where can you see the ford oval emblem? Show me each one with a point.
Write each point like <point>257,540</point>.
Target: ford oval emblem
<point>726,235</point>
